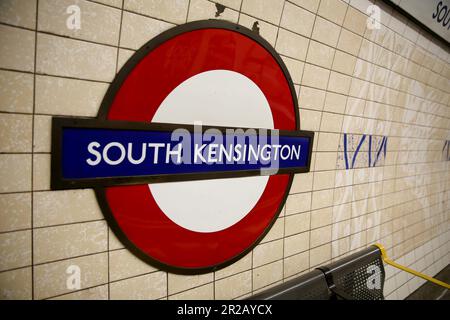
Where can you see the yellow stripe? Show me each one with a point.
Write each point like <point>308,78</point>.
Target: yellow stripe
<point>416,273</point>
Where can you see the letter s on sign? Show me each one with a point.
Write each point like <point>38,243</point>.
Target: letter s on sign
<point>437,10</point>
<point>98,156</point>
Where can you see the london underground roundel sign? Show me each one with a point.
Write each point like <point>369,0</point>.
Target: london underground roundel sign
<point>194,148</point>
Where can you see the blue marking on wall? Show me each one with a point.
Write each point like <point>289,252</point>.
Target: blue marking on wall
<point>380,150</point>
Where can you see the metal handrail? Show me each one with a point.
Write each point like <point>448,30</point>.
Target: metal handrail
<point>414,272</point>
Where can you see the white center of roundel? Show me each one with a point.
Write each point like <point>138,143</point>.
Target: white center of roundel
<point>221,98</point>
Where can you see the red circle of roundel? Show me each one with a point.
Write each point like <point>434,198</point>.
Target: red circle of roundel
<point>135,95</point>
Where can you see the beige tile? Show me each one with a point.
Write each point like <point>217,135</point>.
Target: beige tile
<point>320,236</point>
<point>298,203</point>
<point>178,283</point>
<point>42,133</point>
<point>322,199</point>
<point>297,19</point>
<point>272,285</point>
<point>16,284</point>
<point>355,21</point>
<point>321,217</point>
<point>41,172</point>
<point>137,30</point>
<point>124,56</point>
<point>270,12</point>
<point>19,13</point>
<point>15,249</point>
<point>68,206</point>
<point>325,161</point>
<point>324,180</point>
<point>276,231</point>
<point>310,119</point>
<point>267,274</point>
<point>114,3</point>
<point>297,223</point>
<point>113,242</point>
<point>344,63</point>
<point>339,83</point>
<point>328,141</point>
<point>205,292</point>
<point>16,92</point>
<point>267,252</point>
<point>302,183</point>
<point>311,5</point>
<point>349,42</point>
<point>16,169</point>
<point>52,279</point>
<point>242,264</point>
<point>355,106</point>
<point>15,211</point>
<point>340,247</point>
<point>311,98</point>
<point>17,49</point>
<point>62,242</point>
<point>295,68</point>
<point>74,58</point>
<point>320,255</point>
<point>320,54</point>
<point>326,32</point>
<point>331,122</point>
<point>344,178</point>
<point>296,264</point>
<point>359,88</point>
<point>150,286</point>
<point>233,287</point>
<point>203,9</point>
<point>333,10</point>
<point>316,77</point>
<point>124,264</point>
<point>174,11</point>
<point>233,4</point>
<point>291,45</point>
<point>96,293</point>
<point>266,30</point>
<point>61,96</point>
<point>98,23</point>
<point>15,133</point>
<point>296,244</point>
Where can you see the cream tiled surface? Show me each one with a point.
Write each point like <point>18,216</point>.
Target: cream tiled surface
<point>62,96</point>
<point>17,50</point>
<point>393,82</point>
<point>98,24</point>
<point>151,286</point>
<point>16,92</point>
<point>138,29</point>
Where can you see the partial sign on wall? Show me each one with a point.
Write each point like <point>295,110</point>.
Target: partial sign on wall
<point>434,14</point>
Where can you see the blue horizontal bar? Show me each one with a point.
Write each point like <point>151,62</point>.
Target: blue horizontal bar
<point>88,153</point>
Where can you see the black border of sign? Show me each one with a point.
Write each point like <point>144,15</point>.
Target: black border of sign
<point>59,183</point>
<point>108,100</point>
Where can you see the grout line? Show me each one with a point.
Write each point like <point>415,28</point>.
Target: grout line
<point>284,206</point>
<point>315,157</point>
<point>32,150</point>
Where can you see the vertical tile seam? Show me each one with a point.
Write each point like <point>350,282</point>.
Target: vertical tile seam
<point>32,150</point>
<point>107,225</point>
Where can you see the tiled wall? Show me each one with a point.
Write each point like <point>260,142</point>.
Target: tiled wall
<point>390,82</point>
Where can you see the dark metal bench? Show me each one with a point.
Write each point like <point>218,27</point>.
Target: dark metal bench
<point>359,276</point>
